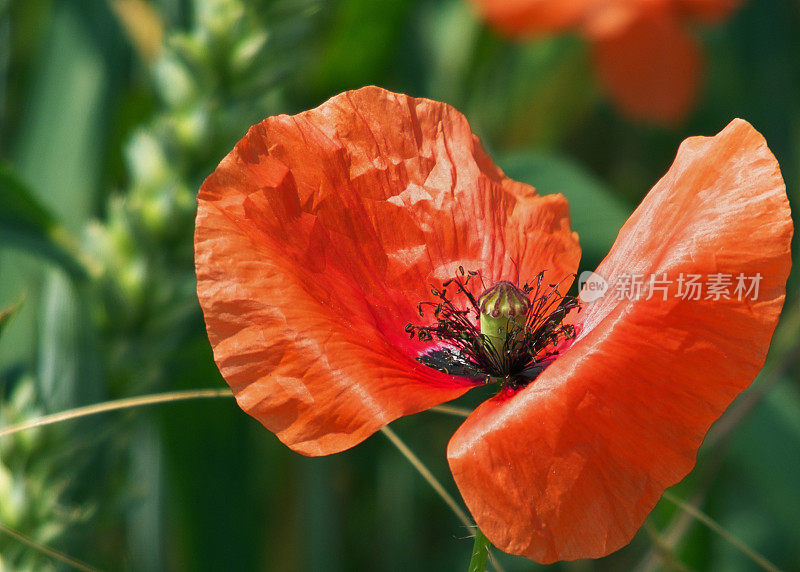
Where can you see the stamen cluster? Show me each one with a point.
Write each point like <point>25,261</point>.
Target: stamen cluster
<point>526,348</point>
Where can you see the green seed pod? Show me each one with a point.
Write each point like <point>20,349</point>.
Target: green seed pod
<point>504,309</point>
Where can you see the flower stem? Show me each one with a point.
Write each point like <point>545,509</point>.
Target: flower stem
<point>155,399</point>
<point>446,497</point>
<point>115,405</point>
<point>158,398</point>
<point>480,550</point>
<point>54,554</point>
<point>428,476</point>
<point>451,410</point>
<point>713,525</point>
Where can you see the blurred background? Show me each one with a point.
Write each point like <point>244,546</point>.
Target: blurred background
<point>112,112</point>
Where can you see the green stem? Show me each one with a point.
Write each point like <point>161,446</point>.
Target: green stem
<point>427,475</point>
<point>115,405</point>
<point>153,399</point>
<point>446,497</point>
<point>762,562</point>
<point>451,410</point>
<point>54,554</point>
<point>480,551</point>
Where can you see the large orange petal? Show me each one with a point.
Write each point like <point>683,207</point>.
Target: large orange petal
<point>650,67</point>
<point>570,466</point>
<point>318,235</point>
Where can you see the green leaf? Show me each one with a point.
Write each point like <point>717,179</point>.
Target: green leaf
<point>531,94</point>
<point>25,223</point>
<point>67,362</point>
<point>60,145</point>
<point>447,37</point>
<point>596,213</point>
<point>552,92</point>
<point>361,44</point>
<point>19,206</point>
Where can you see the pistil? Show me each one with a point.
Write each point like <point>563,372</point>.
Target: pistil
<point>503,313</point>
<point>508,334</point>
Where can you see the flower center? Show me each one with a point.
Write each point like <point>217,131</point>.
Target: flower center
<point>507,335</point>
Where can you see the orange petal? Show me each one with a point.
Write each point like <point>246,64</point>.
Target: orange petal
<point>522,17</point>
<point>570,466</point>
<point>707,10</point>
<point>650,68</point>
<point>318,235</point>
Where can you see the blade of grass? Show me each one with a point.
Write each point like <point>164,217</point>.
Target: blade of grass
<point>54,554</point>
<point>68,371</point>
<point>435,485</point>
<point>62,135</point>
<point>116,405</point>
<point>714,526</point>
<point>427,475</point>
<point>451,410</point>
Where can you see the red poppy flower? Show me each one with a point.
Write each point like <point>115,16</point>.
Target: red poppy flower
<point>320,233</point>
<point>644,54</point>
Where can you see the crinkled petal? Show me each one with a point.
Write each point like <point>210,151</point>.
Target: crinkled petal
<point>570,466</point>
<point>650,67</point>
<point>319,234</point>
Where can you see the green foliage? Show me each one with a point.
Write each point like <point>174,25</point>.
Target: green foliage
<point>596,213</point>
<point>33,481</point>
<point>27,224</point>
<point>361,43</point>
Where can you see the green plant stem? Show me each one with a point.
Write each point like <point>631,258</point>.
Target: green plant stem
<point>54,554</point>
<point>480,550</point>
<point>713,525</point>
<point>115,405</point>
<point>665,551</point>
<point>428,476</point>
<point>481,546</point>
<point>159,398</point>
<point>153,399</point>
<point>440,490</point>
<point>451,410</point>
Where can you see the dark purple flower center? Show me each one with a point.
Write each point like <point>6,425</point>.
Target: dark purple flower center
<point>507,334</point>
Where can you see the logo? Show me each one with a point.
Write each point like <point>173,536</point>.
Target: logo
<point>592,286</point>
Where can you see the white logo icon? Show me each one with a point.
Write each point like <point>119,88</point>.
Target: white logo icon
<point>592,286</point>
